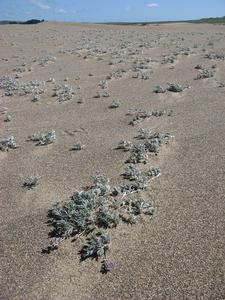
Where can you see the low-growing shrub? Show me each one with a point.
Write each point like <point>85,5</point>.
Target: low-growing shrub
<point>114,104</point>
<point>98,208</point>
<point>44,138</point>
<point>8,143</point>
<point>204,73</point>
<point>31,182</point>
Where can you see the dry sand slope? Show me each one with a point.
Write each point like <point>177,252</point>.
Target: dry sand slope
<point>179,252</point>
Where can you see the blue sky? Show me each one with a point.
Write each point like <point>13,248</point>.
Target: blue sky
<point>110,10</point>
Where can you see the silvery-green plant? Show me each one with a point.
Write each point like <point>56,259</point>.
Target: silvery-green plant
<point>215,55</point>
<point>103,84</point>
<point>97,95</point>
<point>106,94</point>
<point>98,207</point>
<point>43,138</point>
<point>140,115</point>
<point>31,182</point>
<point>125,145</point>
<point>77,147</point>
<point>35,98</point>
<point>198,67</point>
<point>176,88</point>
<point>63,92</point>
<point>205,73</point>
<point>96,246</point>
<point>8,143</point>
<point>114,104</point>
<point>7,118</point>
<point>168,59</point>
<point>159,89</point>
<point>131,173</point>
<point>138,155</point>
<point>144,133</point>
<point>14,86</point>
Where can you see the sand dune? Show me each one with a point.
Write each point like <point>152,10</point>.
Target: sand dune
<point>179,252</point>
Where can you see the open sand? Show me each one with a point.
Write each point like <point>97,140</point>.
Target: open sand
<point>179,253</point>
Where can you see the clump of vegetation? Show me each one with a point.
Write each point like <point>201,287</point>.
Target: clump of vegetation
<point>106,94</point>
<point>144,133</point>
<point>31,182</point>
<point>221,84</point>
<point>97,95</point>
<point>7,118</point>
<point>13,86</point>
<point>103,84</point>
<point>44,60</point>
<point>124,145</point>
<point>140,115</point>
<point>168,59</point>
<point>63,92</point>
<point>114,104</point>
<point>8,143</point>
<point>159,89</point>
<point>152,144</point>
<point>157,139</point>
<point>77,147</point>
<point>198,67</point>
<point>35,98</point>
<point>131,173</point>
<point>138,155</point>
<point>176,88</point>
<point>216,55</point>
<point>44,138</point>
<point>107,266</point>
<point>205,73</point>
<point>96,246</point>
<point>98,208</point>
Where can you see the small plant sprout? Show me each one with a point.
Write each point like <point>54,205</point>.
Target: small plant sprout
<point>44,138</point>
<point>114,104</point>
<point>96,246</point>
<point>131,173</point>
<point>35,98</point>
<point>52,80</point>
<point>124,145</point>
<point>77,147</point>
<point>31,182</point>
<point>8,143</point>
<point>144,133</point>
<point>198,67</point>
<point>103,84</point>
<point>176,88</point>
<point>97,95</point>
<point>7,118</point>
<point>107,266</point>
<point>63,92</point>
<point>205,73</point>
<point>159,89</point>
<point>106,94</point>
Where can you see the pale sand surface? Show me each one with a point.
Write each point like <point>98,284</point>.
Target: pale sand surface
<point>177,254</point>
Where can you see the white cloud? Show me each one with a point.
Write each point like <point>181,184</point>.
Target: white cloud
<point>40,4</point>
<point>61,11</point>
<point>152,5</point>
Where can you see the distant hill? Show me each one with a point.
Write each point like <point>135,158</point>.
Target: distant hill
<point>218,20</point>
<point>32,21</point>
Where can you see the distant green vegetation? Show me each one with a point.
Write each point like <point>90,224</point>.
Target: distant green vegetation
<point>218,20</point>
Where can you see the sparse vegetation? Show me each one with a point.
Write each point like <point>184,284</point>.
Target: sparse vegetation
<point>98,207</point>
<point>8,143</point>
<point>44,138</point>
<point>31,182</point>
